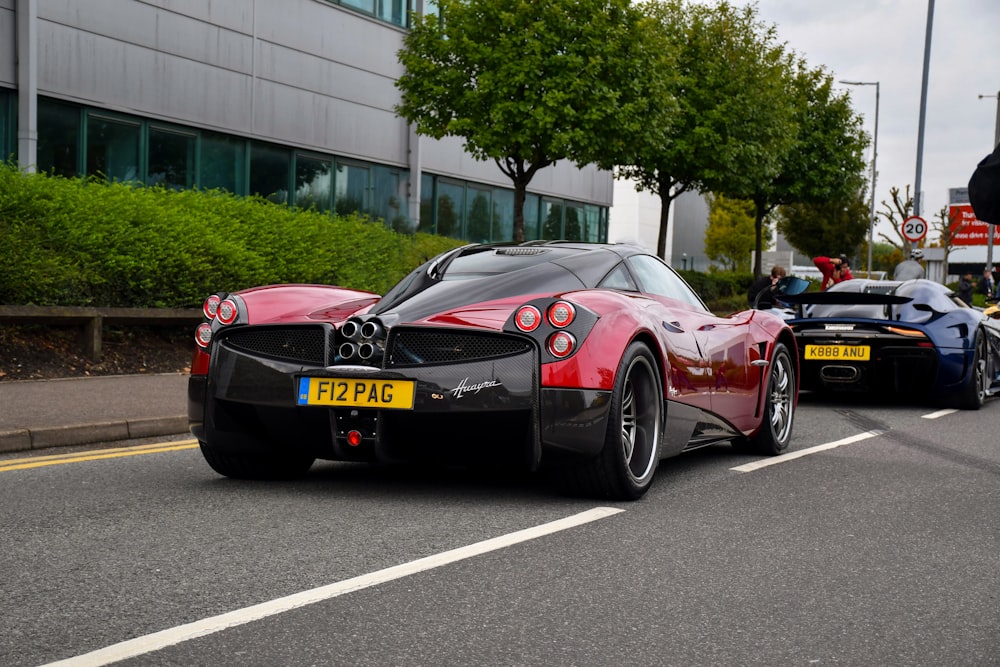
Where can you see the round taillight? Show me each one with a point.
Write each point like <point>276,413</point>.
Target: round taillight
<point>210,306</point>
<point>203,334</point>
<point>528,318</point>
<point>561,344</point>
<point>226,312</point>
<point>561,314</point>
<point>354,438</point>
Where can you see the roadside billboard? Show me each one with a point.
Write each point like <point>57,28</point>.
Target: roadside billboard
<point>967,230</point>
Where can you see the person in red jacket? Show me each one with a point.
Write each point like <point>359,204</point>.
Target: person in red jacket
<point>834,270</point>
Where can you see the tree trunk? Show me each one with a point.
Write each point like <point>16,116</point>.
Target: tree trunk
<point>520,191</point>
<point>667,196</point>
<point>758,224</point>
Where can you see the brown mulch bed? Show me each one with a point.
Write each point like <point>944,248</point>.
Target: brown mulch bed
<point>45,352</point>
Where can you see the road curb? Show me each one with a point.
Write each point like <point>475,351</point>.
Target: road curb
<point>18,440</point>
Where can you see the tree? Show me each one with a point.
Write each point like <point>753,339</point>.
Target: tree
<point>729,238</point>
<point>831,228</point>
<point>733,117</point>
<point>948,225</point>
<point>902,205</point>
<point>822,160</point>
<point>528,83</point>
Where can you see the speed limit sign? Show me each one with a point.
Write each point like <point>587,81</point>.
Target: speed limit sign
<point>914,228</point>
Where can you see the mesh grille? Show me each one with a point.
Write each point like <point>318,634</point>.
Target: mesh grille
<point>300,344</point>
<point>411,348</point>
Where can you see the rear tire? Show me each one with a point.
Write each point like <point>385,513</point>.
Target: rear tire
<point>261,467</point>
<point>625,467</point>
<point>973,395</point>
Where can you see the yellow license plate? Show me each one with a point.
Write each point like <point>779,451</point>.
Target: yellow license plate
<point>356,393</point>
<point>839,352</point>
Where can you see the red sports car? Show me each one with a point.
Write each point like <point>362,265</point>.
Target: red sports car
<point>592,361</point>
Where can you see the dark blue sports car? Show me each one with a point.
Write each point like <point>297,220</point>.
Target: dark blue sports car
<point>912,337</point>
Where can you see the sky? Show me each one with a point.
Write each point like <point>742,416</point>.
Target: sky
<point>883,41</point>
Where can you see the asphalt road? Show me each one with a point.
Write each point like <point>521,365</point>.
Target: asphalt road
<point>881,549</point>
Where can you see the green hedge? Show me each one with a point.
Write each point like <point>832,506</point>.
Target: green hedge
<point>75,242</point>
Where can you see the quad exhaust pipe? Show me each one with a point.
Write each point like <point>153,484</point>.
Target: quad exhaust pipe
<point>365,341</point>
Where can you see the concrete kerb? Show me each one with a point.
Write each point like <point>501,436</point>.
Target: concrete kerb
<point>20,440</point>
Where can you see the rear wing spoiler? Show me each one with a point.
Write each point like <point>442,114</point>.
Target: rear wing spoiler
<point>845,299</point>
<point>842,299</point>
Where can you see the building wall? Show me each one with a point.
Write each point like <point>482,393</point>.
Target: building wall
<point>635,218</point>
<point>301,73</point>
<point>8,63</point>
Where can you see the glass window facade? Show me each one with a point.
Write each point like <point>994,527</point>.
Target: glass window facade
<point>78,141</point>
<point>351,189</point>
<point>171,158</point>
<point>113,148</point>
<point>269,172</point>
<point>222,163</point>
<point>313,182</point>
<point>59,138</point>
<point>391,11</point>
<point>450,208</point>
<point>8,125</point>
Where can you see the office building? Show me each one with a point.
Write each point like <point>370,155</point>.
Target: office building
<point>288,99</point>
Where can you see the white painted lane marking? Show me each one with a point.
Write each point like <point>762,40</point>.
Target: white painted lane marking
<point>939,413</point>
<point>763,463</point>
<point>164,638</point>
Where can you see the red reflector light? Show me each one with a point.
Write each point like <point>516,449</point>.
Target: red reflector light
<point>203,334</point>
<point>226,312</point>
<point>561,314</point>
<point>353,438</point>
<point>210,306</point>
<point>528,318</point>
<point>561,344</point>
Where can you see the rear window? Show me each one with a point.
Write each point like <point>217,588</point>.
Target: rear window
<point>492,261</point>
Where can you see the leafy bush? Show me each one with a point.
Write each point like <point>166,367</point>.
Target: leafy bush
<point>78,242</point>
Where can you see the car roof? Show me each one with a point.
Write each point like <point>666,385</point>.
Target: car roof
<point>589,262</point>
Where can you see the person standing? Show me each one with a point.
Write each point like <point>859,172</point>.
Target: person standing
<point>835,270</point>
<point>985,284</point>
<point>965,288</point>
<point>761,291</point>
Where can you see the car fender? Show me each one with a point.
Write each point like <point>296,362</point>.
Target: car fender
<point>301,303</point>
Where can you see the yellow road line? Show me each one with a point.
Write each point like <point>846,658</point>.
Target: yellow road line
<point>95,455</point>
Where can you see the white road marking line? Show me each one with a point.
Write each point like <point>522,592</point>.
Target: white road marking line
<point>159,640</point>
<point>763,463</point>
<point>939,413</point>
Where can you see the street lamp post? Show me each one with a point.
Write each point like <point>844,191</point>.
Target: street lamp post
<point>871,220</point>
<point>996,141</point>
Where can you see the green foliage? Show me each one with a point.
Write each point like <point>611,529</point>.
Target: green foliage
<point>76,242</point>
<point>735,116</point>
<point>723,292</point>
<point>829,228</point>
<point>528,83</point>
<point>730,237</point>
<point>821,161</point>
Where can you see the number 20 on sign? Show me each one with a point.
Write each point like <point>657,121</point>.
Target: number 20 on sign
<point>914,228</point>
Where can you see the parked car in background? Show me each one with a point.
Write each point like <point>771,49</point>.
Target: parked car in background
<point>913,338</point>
<point>589,361</point>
